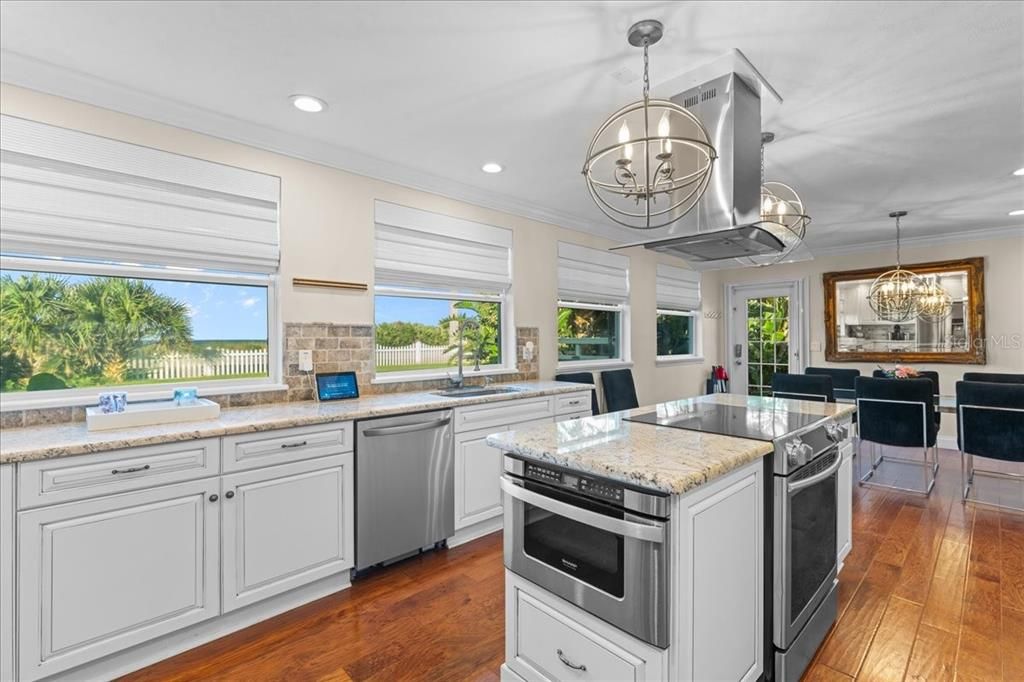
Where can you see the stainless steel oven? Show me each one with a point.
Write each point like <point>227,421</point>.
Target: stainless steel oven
<point>594,542</point>
<point>804,560</point>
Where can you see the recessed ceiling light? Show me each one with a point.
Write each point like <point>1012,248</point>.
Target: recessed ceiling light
<point>308,103</point>
<point>491,167</point>
<point>1019,171</point>
<point>1019,211</point>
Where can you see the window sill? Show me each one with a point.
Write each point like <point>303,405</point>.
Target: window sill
<point>678,359</point>
<point>403,377</point>
<point>89,396</point>
<point>571,365</point>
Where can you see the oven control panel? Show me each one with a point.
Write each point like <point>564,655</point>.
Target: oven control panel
<point>591,487</point>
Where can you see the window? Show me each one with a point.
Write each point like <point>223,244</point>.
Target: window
<point>414,333</point>
<point>593,307</point>
<point>434,275</point>
<point>678,319</point>
<point>60,330</point>
<point>587,333</point>
<point>676,334</point>
<point>129,267</point>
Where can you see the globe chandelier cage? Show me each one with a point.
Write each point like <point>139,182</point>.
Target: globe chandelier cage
<point>934,304</point>
<point>650,162</point>
<point>782,214</point>
<point>894,295</point>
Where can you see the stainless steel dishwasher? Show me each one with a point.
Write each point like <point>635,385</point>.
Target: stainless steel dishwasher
<point>405,485</point>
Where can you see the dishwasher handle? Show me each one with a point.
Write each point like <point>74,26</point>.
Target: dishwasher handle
<point>407,428</point>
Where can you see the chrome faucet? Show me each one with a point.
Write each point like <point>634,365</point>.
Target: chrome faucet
<point>459,380</point>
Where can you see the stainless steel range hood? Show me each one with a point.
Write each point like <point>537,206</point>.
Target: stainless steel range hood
<point>724,224</point>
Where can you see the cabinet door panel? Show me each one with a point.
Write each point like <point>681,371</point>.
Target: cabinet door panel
<point>286,526</point>
<point>477,474</point>
<point>844,513</point>
<point>101,575</point>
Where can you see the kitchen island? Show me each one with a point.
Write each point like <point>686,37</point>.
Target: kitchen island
<point>638,551</point>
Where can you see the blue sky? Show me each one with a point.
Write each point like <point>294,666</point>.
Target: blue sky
<point>400,308</point>
<point>217,311</point>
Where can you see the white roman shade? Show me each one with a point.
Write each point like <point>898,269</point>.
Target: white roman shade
<point>417,249</point>
<point>72,195</point>
<point>588,275</point>
<point>677,288</point>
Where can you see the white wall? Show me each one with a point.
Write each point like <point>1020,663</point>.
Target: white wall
<point>1004,301</point>
<point>327,233</point>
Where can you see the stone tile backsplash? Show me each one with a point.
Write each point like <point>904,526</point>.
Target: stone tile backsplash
<point>336,348</point>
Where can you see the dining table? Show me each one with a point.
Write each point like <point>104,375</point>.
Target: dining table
<point>945,403</point>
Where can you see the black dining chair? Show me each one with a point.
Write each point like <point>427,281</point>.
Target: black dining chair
<point>619,390</point>
<point>924,374</point>
<point>842,379</point>
<point>898,413</point>
<point>994,378</point>
<point>582,378</point>
<point>803,387</point>
<point>990,424</point>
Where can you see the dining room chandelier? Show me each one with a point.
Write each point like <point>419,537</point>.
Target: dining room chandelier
<point>934,303</point>
<point>782,214</point>
<point>895,295</point>
<point>650,162</point>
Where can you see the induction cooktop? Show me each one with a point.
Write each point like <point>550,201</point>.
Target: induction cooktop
<point>729,420</point>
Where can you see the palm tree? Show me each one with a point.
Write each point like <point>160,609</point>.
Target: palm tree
<point>481,342</point>
<point>33,308</point>
<point>116,318</point>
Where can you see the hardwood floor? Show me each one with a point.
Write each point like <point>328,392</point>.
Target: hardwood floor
<point>933,590</point>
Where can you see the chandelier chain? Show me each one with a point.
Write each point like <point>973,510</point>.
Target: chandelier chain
<point>897,242</point>
<point>647,80</point>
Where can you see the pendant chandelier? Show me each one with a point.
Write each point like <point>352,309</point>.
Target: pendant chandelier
<point>895,295</point>
<point>934,303</point>
<point>782,214</point>
<point>649,162</point>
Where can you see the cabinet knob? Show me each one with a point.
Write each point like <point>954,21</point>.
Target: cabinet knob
<point>229,494</point>
<point>213,498</point>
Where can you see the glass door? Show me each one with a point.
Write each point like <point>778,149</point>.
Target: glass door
<point>764,322</point>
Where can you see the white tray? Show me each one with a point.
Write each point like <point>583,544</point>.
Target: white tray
<point>149,413</point>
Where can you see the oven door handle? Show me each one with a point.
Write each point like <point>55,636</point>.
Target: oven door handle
<point>816,478</point>
<point>629,529</point>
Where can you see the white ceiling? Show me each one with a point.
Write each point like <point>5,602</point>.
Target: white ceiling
<point>909,105</point>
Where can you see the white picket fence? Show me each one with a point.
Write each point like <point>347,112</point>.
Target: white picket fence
<point>417,353</point>
<point>182,366</point>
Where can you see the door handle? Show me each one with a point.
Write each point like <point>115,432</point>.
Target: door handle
<point>629,529</point>
<point>407,428</point>
<point>820,476</point>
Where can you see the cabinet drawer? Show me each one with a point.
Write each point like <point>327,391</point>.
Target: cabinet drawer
<point>502,413</point>
<point>251,450</point>
<point>573,415</point>
<point>573,402</point>
<point>552,644</point>
<point>51,481</point>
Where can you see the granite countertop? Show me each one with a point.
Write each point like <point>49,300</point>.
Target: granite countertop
<point>64,440</point>
<point>654,457</point>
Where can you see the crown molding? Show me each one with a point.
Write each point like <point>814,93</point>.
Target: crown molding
<point>924,241</point>
<point>34,74</point>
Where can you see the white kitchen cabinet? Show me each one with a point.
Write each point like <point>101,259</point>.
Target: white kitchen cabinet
<point>7,591</point>
<point>286,526</point>
<point>100,575</point>
<point>477,473</point>
<point>844,513</point>
<point>547,638</point>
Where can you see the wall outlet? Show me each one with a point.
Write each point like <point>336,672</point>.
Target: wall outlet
<point>305,361</point>
<point>528,351</point>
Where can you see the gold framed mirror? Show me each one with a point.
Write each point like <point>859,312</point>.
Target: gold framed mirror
<point>855,333</point>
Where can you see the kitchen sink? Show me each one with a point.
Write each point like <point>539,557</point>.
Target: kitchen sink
<point>473,391</point>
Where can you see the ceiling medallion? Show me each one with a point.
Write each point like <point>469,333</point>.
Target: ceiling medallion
<point>649,162</point>
<point>895,295</point>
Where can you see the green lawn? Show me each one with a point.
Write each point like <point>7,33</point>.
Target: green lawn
<point>183,381</point>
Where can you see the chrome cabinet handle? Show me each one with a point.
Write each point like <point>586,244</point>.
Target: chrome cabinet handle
<point>407,428</point>
<point>132,470</point>
<point>569,663</point>
<point>293,445</point>
<point>629,529</point>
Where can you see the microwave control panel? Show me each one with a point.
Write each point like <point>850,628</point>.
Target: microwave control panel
<point>591,487</point>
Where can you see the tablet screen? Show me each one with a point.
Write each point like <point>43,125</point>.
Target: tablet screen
<point>336,386</point>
